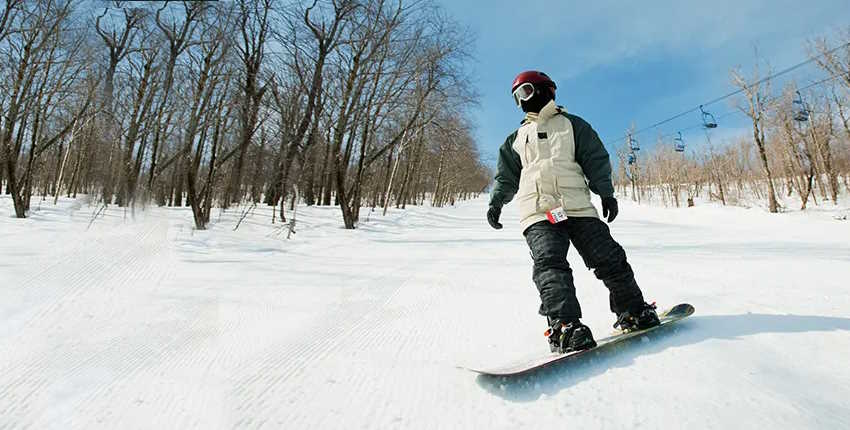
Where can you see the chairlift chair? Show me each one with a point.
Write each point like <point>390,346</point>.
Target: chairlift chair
<point>708,120</point>
<point>801,110</point>
<point>679,143</point>
<point>632,159</point>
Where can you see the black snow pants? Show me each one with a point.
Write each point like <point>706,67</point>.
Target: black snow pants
<point>554,278</point>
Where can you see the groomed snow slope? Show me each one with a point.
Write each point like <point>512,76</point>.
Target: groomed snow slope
<point>146,323</point>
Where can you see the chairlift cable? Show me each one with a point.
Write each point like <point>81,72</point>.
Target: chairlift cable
<point>736,92</point>
<point>737,111</point>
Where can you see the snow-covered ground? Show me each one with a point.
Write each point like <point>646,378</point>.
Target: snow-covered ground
<point>146,323</point>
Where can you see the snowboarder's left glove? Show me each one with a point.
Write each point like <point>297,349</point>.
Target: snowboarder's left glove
<point>493,215</point>
<point>609,208</point>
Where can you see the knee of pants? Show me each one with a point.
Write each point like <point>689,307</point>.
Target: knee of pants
<point>613,255</point>
<point>613,264</point>
<point>550,261</point>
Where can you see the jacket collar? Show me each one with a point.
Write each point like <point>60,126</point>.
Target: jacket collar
<point>548,111</point>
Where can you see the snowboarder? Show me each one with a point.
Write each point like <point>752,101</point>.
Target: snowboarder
<point>551,163</point>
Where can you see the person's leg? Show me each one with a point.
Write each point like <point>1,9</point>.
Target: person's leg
<point>552,274</point>
<point>592,239</point>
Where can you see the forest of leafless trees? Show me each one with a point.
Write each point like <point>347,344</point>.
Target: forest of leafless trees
<point>797,152</point>
<point>349,103</point>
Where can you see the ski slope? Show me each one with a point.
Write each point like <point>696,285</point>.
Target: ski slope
<point>145,323</point>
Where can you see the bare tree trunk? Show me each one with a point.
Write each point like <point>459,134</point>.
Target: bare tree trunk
<point>386,198</point>
<point>310,172</point>
<point>256,181</point>
<point>57,184</point>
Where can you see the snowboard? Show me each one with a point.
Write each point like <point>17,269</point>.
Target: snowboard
<point>667,317</point>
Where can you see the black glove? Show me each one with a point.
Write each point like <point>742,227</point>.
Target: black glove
<point>493,216</point>
<point>609,208</point>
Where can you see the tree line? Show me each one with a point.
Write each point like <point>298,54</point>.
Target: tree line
<point>798,148</point>
<point>211,104</point>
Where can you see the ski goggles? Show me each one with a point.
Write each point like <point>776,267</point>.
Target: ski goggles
<point>523,92</point>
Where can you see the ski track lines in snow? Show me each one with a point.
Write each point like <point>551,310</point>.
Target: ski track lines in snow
<point>80,293</point>
<point>286,364</point>
<point>149,324</point>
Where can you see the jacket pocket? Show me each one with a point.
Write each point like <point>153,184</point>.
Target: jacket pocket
<point>574,196</point>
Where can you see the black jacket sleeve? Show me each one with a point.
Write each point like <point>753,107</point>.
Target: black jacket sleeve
<point>592,157</point>
<point>507,175</point>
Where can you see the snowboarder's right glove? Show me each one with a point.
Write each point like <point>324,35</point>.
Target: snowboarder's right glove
<point>493,215</point>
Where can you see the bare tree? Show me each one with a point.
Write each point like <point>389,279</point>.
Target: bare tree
<point>253,27</point>
<point>119,44</point>
<point>208,71</point>
<point>179,35</point>
<point>800,166</point>
<point>755,93</point>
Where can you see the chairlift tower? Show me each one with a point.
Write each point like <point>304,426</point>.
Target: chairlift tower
<point>632,170</point>
<point>633,146</point>
<point>633,143</point>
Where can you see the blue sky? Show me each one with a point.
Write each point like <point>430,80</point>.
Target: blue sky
<point>619,62</point>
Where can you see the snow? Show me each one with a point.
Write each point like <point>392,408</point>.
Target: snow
<point>143,322</point>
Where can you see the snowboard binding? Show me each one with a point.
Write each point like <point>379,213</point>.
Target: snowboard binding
<point>641,317</point>
<point>569,336</point>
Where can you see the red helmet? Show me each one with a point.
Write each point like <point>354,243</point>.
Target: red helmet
<point>534,77</point>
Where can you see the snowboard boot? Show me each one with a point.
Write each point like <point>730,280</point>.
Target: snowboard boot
<point>640,317</point>
<point>568,336</point>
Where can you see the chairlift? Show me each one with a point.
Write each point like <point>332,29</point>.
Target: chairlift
<point>632,159</point>
<point>633,144</point>
<point>801,110</point>
<point>708,120</point>
<point>679,143</point>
